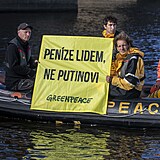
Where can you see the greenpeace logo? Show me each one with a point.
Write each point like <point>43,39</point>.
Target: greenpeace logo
<point>69,99</point>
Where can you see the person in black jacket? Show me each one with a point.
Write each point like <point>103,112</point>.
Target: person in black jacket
<point>20,67</point>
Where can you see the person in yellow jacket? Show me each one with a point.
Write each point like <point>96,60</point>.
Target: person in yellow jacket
<point>110,31</point>
<point>155,89</point>
<point>127,78</point>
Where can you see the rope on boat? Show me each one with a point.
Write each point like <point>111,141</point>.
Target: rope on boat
<point>5,92</point>
<point>22,101</point>
<point>154,114</point>
<point>7,99</point>
<point>124,116</point>
<point>4,99</point>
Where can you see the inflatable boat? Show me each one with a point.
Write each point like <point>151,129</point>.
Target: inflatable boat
<point>69,85</point>
<point>141,112</point>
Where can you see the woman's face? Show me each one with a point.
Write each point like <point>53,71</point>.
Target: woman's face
<point>122,46</point>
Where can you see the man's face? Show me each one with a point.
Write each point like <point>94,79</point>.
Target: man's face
<point>25,34</point>
<point>110,27</point>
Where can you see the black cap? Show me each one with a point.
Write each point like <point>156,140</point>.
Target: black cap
<point>23,26</point>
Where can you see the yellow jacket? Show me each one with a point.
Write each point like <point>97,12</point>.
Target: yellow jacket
<point>128,70</point>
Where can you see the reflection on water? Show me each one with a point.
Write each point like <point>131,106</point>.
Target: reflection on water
<point>71,143</point>
<point>47,141</point>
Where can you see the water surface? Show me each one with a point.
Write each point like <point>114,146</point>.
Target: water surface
<point>23,140</point>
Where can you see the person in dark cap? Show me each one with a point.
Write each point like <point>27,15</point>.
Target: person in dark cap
<point>20,66</point>
<point>23,26</point>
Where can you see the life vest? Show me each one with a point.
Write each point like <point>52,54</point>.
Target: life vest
<point>155,94</point>
<point>24,57</point>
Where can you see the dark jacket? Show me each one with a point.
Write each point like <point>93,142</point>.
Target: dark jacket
<point>19,63</point>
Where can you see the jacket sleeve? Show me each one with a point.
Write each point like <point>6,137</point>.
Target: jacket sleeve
<point>158,71</point>
<point>13,61</point>
<point>32,63</point>
<point>132,74</point>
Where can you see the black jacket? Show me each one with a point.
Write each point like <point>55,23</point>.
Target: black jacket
<point>19,63</point>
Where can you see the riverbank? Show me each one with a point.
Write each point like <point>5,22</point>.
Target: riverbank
<point>38,5</point>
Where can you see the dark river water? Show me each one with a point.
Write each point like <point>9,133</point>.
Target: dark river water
<point>28,140</point>
<point>33,140</point>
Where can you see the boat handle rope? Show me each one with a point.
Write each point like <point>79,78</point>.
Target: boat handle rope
<point>129,115</point>
<point>113,116</point>
<point>21,101</point>
<point>14,100</point>
<point>8,99</point>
